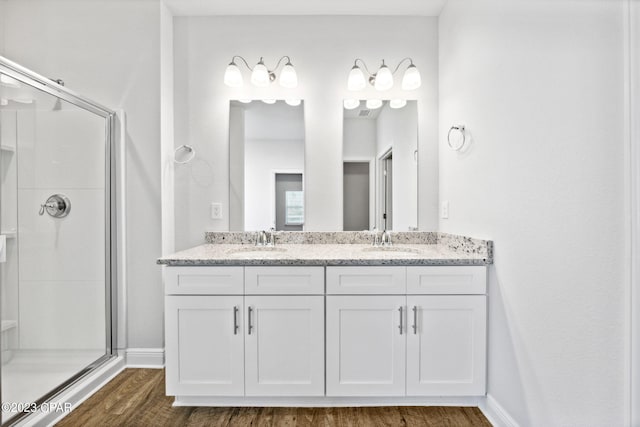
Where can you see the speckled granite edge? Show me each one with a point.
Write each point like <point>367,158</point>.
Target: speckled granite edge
<point>321,237</point>
<point>467,245</point>
<point>323,262</point>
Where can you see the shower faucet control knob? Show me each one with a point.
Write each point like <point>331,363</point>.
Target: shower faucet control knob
<point>57,206</point>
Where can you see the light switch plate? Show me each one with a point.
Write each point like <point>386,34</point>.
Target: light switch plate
<point>216,210</point>
<point>444,209</point>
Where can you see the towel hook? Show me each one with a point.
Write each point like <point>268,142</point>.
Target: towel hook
<point>184,154</point>
<point>459,128</point>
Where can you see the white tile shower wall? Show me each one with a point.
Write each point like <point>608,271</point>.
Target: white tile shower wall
<point>61,260</point>
<point>322,49</point>
<point>539,85</point>
<point>109,51</point>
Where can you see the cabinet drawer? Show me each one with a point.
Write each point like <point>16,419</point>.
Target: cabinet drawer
<point>284,280</point>
<point>204,280</point>
<point>366,280</point>
<point>447,280</point>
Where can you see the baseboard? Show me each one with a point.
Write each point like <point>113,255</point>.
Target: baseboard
<point>325,401</point>
<point>75,395</point>
<point>144,358</point>
<point>496,414</point>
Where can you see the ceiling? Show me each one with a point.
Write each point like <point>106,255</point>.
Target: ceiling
<point>300,7</point>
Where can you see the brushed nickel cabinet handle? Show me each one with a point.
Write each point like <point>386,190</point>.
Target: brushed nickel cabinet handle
<point>401,326</point>
<point>235,320</point>
<point>250,326</point>
<point>415,320</point>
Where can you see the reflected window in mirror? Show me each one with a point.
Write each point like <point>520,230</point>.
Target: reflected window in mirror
<point>380,165</point>
<point>266,165</point>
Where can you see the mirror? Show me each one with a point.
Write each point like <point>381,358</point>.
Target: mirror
<point>380,165</point>
<point>266,165</point>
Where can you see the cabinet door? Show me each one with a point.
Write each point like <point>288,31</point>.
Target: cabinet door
<point>204,345</point>
<point>366,346</point>
<point>446,345</point>
<point>284,346</point>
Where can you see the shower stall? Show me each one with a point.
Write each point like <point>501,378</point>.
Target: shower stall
<point>57,238</point>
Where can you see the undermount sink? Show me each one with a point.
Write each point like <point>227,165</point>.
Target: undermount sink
<point>257,250</point>
<point>391,249</point>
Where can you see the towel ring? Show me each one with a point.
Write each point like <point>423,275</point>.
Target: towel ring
<point>185,153</point>
<point>459,128</point>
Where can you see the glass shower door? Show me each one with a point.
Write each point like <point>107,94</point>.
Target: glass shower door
<point>54,263</point>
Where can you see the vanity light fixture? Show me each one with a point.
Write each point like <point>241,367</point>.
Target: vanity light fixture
<point>383,79</point>
<point>350,104</point>
<point>397,103</point>
<point>261,76</point>
<point>269,101</point>
<point>372,104</point>
<point>245,101</point>
<point>293,102</point>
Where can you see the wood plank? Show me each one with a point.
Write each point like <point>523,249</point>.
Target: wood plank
<point>136,398</point>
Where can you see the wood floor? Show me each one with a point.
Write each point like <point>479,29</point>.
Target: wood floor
<point>136,398</point>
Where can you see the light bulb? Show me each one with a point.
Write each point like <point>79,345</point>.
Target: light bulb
<point>269,101</point>
<point>245,101</point>
<point>288,76</point>
<point>356,79</point>
<point>411,79</point>
<point>372,104</point>
<point>384,78</point>
<point>260,75</point>
<point>9,81</point>
<point>350,104</point>
<point>397,103</point>
<point>233,76</point>
<point>293,102</point>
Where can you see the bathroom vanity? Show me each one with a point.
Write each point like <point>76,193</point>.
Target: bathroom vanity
<point>326,319</point>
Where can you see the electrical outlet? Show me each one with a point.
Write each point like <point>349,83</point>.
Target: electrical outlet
<point>216,210</point>
<point>444,209</point>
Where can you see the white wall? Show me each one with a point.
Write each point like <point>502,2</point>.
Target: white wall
<point>322,49</point>
<point>359,140</point>
<point>539,86</point>
<point>109,51</point>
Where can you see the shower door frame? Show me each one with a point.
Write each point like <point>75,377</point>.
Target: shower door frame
<point>47,85</point>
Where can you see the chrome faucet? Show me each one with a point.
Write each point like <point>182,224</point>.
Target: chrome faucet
<point>385,239</point>
<point>376,238</point>
<point>261,238</point>
<point>272,237</point>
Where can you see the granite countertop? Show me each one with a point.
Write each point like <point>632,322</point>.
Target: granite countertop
<point>413,248</point>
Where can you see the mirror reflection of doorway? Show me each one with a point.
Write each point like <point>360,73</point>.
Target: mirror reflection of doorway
<point>355,196</point>
<point>289,202</point>
<point>386,187</point>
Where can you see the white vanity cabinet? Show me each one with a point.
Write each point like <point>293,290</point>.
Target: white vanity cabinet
<point>204,345</point>
<point>256,342</point>
<point>432,343</point>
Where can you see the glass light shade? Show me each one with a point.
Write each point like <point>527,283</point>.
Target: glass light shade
<point>397,103</point>
<point>350,104</point>
<point>372,104</point>
<point>411,79</point>
<point>384,78</point>
<point>233,76</point>
<point>4,101</point>
<point>293,102</point>
<point>288,77</point>
<point>269,101</point>
<point>260,75</point>
<point>245,101</point>
<point>356,79</point>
